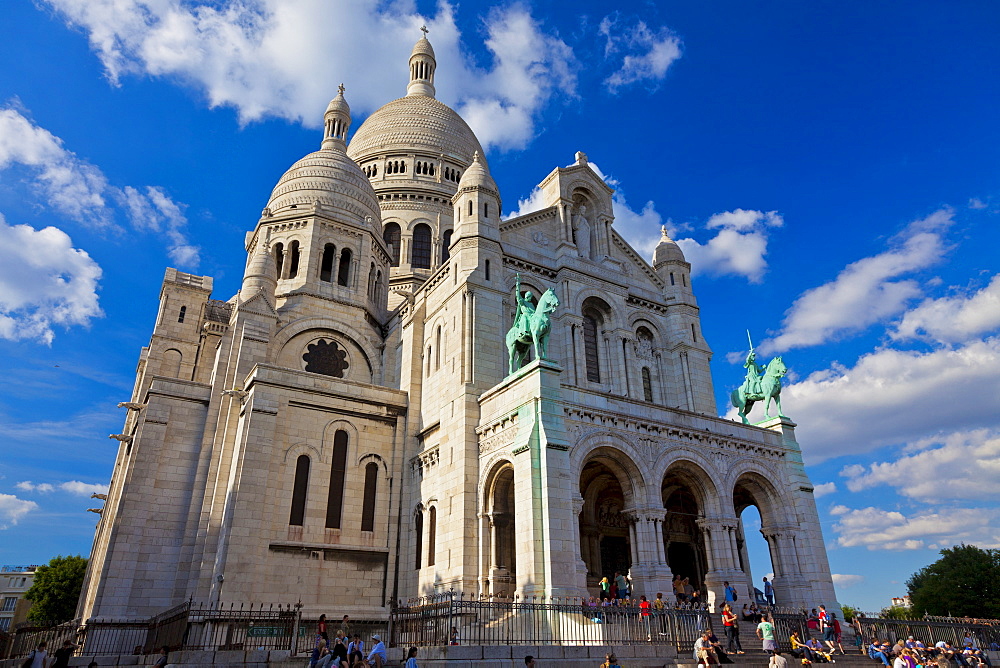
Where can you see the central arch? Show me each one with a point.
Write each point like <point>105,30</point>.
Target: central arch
<point>499,553</point>
<point>607,485</point>
<point>685,492</point>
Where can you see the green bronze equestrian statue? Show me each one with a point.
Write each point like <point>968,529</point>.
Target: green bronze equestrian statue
<point>760,383</point>
<point>531,326</point>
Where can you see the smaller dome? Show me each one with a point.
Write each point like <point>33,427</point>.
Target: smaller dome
<point>667,250</point>
<point>329,179</point>
<point>477,175</point>
<point>339,103</point>
<point>423,48</point>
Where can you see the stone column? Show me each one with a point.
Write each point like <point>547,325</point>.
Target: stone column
<point>545,541</point>
<point>623,352</point>
<point>581,563</point>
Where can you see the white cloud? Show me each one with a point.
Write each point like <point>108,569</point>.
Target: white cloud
<point>28,486</point>
<point>845,580</point>
<point>80,191</point>
<point>971,460</point>
<point>70,185</point>
<point>83,488</point>
<point>739,248</point>
<point>976,203</point>
<point>824,488</point>
<point>864,293</point>
<point>953,319</point>
<point>44,282</point>
<point>890,397</point>
<point>13,509</point>
<point>648,53</point>
<point>878,529</point>
<point>260,56</point>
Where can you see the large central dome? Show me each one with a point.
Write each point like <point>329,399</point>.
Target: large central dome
<point>418,123</point>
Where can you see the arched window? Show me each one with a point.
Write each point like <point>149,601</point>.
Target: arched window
<point>470,207</point>
<point>368,504</point>
<point>326,266</point>
<point>171,363</point>
<point>421,247</point>
<point>344,271</point>
<point>431,534</point>
<point>338,470</point>
<point>182,313</point>
<point>293,261</point>
<point>299,488</point>
<point>418,538</point>
<point>591,325</point>
<point>390,234</point>
<point>647,385</point>
<point>432,169</point>
<point>672,278</point>
<point>446,246</point>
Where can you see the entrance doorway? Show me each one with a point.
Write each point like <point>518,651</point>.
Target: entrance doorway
<point>604,529</point>
<point>682,538</point>
<point>754,552</point>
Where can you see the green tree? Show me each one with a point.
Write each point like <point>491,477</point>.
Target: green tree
<point>56,589</point>
<point>897,612</point>
<point>964,582</point>
<point>850,612</point>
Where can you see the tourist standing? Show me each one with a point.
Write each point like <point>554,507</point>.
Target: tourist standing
<point>765,631</point>
<point>769,593</point>
<point>38,657</point>
<point>730,594</point>
<point>622,585</point>
<point>605,588</point>
<point>63,654</point>
<point>826,620</point>
<point>732,628</point>
<point>321,629</point>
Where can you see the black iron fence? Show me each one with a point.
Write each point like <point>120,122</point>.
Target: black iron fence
<point>439,620</point>
<point>985,633</point>
<point>189,626</point>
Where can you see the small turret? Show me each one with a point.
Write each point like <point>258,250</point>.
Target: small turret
<point>422,66</point>
<point>671,266</point>
<point>336,122</point>
<point>261,274</point>
<point>477,203</point>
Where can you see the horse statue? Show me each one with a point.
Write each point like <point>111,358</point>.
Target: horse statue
<point>531,327</point>
<point>761,383</point>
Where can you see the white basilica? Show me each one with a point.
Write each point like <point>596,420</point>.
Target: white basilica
<point>343,431</point>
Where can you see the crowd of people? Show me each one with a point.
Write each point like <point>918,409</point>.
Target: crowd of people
<point>914,653</point>
<point>347,649</point>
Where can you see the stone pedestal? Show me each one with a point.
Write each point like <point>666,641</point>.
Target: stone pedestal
<point>545,534</point>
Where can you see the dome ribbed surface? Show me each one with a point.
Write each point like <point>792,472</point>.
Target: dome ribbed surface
<point>477,175</point>
<point>330,177</point>
<point>423,47</point>
<point>667,250</point>
<point>415,123</point>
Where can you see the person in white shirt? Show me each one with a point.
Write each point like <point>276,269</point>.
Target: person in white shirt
<point>377,656</point>
<point>703,648</point>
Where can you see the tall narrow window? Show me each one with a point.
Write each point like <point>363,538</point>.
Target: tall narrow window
<point>421,247</point>
<point>391,237</point>
<point>591,348</point>
<point>183,312</point>
<point>293,261</point>
<point>344,271</point>
<point>647,385</point>
<point>684,280</point>
<point>470,207</point>
<point>338,469</point>
<point>279,257</point>
<point>671,278</point>
<point>486,209</point>
<point>487,270</point>
<point>446,246</point>
<point>368,504</point>
<point>326,266</point>
<point>437,353</point>
<point>418,538</point>
<point>299,489</point>
<point>431,534</point>
<point>694,333</point>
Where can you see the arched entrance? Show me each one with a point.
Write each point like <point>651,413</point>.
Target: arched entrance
<point>683,541</point>
<point>501,557</point>
<point>604,528</point>
<point>753,499</point>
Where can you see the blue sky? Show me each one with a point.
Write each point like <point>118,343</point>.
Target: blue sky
<point>830,169</point>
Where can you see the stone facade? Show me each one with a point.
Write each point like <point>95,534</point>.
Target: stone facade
<point>345,430</point>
